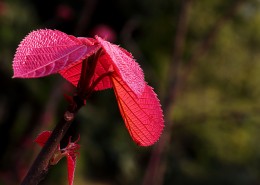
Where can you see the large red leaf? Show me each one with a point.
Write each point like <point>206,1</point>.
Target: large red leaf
<point>142,115</point>
<point>45,52</point>
<point>124,65</point>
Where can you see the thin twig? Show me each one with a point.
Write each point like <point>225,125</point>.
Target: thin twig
<point>41,165</point>
<point>157,165</point>
<point>154,175</point>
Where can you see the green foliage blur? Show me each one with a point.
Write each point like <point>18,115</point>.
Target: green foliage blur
<point>215,117</point>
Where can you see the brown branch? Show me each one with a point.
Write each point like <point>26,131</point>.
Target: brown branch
<point>41,165</point>
<point>157,165</point>
<point>154,173</point>
<point>173,71</point>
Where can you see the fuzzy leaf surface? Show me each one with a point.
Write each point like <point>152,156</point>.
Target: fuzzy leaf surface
<point>125,66</point>
<point>44,52</point>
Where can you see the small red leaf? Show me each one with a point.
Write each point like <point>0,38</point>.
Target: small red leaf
<point>45,52</point>
<point>71,165</point>
<point>142,115</point>
<point>71,152</point>
<point>42,138</point>
<point>124,65</point>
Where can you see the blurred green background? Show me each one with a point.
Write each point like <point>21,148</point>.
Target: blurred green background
<point>201,56</point>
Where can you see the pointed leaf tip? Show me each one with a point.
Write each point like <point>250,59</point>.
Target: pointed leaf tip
<point>71,165</point>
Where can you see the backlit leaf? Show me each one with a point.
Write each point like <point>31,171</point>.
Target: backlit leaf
<point>124,65</point>
<point>142,115</point>
<point>73,71</point>
<point>45,52</point>
<point>71,165</point>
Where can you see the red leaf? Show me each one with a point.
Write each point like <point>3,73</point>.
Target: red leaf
<point>122,61</point>
<point>71,165</point>
<point>142,115</point>
<point>124,65</point>
<point>73,71</point>
<point>71,152</point>
<point>45,52</point>
<point>42,138</point>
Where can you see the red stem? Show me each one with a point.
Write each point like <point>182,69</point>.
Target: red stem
<point>94,84</point>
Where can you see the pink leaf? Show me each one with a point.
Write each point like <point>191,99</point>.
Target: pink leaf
<point>45,52</point>
<point>71,165</point>
<point>142,115</point>
<point>42,138</point>
<point>125,66</point>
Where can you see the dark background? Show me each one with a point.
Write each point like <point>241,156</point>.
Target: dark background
<point>202,57</point>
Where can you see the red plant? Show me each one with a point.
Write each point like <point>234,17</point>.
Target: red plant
<point>70,152</point>
<point>91,65</point>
